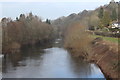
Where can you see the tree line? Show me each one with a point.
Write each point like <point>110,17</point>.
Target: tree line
<point>26,29</point>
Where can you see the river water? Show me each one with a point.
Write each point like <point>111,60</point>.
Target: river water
<point>52,61</point>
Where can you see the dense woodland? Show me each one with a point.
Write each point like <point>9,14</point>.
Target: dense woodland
<point>27,29</point>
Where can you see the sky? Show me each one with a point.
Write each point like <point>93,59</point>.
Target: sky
<point>50,9</point>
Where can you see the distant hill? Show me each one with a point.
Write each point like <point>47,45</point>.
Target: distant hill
<point>88,18</point>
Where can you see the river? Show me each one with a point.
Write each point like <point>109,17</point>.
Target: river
<point>52,61</point>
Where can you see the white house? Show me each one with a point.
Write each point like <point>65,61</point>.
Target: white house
<point>116,25</point>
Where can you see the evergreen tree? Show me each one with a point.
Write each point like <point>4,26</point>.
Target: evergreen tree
<point>30,16</point>
<point>22,17</point>
<point>106,19</point>
<point>17,19</point>
<point>114,15</point>
<point>100,14</point>
<point>48,21</point>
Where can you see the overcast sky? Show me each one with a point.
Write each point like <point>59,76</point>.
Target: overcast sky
<point>51,9</point>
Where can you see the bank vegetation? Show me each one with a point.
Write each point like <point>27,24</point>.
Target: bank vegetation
<point>25,30</point>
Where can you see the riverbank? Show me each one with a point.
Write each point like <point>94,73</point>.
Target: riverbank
<point>17,47</point>
<point>105,55</point>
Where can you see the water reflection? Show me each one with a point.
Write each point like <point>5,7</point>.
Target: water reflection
<point>18,59</point>
<point>47,62</point>
<point>84,69</point>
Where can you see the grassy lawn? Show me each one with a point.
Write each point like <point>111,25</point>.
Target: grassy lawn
<point>111,39</point>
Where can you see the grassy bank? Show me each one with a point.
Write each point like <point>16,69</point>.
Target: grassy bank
<point>111,39</point>
<point>102,51</point>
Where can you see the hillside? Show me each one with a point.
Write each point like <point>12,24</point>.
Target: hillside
<point>89,18</point>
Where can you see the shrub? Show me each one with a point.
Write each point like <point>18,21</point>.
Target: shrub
<point>77,40</point>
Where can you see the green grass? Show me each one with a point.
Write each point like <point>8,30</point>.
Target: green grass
<point>111,39</point>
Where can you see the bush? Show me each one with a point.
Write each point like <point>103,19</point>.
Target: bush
<point>77,40</point>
